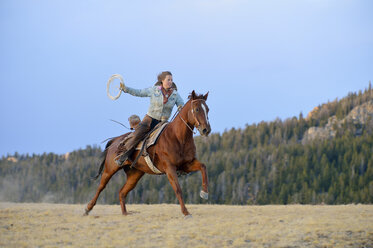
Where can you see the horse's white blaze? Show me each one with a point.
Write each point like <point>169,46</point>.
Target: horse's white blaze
<point>204,109</point>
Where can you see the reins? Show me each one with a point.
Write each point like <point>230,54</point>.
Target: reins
<point>173,117</point>
<point>194,132</point>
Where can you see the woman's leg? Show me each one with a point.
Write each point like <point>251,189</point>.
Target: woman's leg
<point>141,130</point>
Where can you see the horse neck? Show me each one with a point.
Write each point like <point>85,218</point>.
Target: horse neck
<point>179,128</point>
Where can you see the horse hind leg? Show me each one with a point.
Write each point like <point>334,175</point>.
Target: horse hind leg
<point>106,176</point>
<point>133,176</point>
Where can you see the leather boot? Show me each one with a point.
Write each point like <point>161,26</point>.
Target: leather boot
<point>119,160</point>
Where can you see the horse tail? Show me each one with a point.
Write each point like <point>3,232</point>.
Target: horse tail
<point>104,153</point>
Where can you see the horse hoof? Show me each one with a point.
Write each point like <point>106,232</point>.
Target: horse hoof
<point>204,195</point>
<point>189,216</point>
<point>86,212</point>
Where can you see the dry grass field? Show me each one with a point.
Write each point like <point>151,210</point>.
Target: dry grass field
<point>58,225</point>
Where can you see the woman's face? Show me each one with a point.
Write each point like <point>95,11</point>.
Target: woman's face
<point>167,82</point>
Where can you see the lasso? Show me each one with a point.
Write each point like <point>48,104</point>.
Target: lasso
<point>108,86</point>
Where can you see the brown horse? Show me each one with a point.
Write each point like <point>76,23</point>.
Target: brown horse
<point>174,151</point>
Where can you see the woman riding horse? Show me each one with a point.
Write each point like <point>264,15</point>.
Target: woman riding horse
<point>163,96</point>
<point>174,152</point>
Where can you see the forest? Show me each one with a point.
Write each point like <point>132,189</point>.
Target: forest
<point>262,163</point>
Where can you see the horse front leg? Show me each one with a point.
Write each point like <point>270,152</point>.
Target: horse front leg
<point>196,165</point>
<point>174,181</point>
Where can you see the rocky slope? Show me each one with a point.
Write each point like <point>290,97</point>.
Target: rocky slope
<point>359,116</point>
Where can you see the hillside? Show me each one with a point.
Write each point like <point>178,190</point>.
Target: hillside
<point>324,158</point>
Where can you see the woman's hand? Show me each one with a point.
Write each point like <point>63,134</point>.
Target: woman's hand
<point>122,87</point>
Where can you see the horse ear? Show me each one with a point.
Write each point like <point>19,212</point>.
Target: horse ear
<point>205,96</point>
<point>193,95</point>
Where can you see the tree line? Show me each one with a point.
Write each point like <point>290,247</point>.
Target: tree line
<point>263,163</point>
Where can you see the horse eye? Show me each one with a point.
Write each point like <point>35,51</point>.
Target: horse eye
<point>197,109</point>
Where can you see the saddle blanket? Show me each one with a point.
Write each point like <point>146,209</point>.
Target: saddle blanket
<point>151,140</point>
<point>153,137</point>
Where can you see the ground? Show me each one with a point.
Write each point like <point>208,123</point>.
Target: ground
<point>59,225</point>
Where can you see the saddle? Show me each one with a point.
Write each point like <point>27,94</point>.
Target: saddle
<point>150,139</point>
<point>153,136</point>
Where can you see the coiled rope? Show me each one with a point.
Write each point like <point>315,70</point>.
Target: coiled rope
<point>111,79</point>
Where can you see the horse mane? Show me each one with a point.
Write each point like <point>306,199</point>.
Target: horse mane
<point>196,96</point>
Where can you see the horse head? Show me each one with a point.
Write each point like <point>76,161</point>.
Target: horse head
<point>198,113</point>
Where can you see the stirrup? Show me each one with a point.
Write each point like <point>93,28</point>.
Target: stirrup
<point>117,160</point>
<point>121,158</point>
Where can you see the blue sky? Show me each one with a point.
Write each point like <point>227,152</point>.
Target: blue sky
<point>258,59</point>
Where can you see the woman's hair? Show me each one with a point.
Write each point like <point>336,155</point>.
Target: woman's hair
<point>162,76</point>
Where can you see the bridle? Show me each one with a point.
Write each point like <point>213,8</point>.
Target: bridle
<point>194,116</point>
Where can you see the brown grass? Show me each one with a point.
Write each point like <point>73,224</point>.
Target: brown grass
<point>58,225</point>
